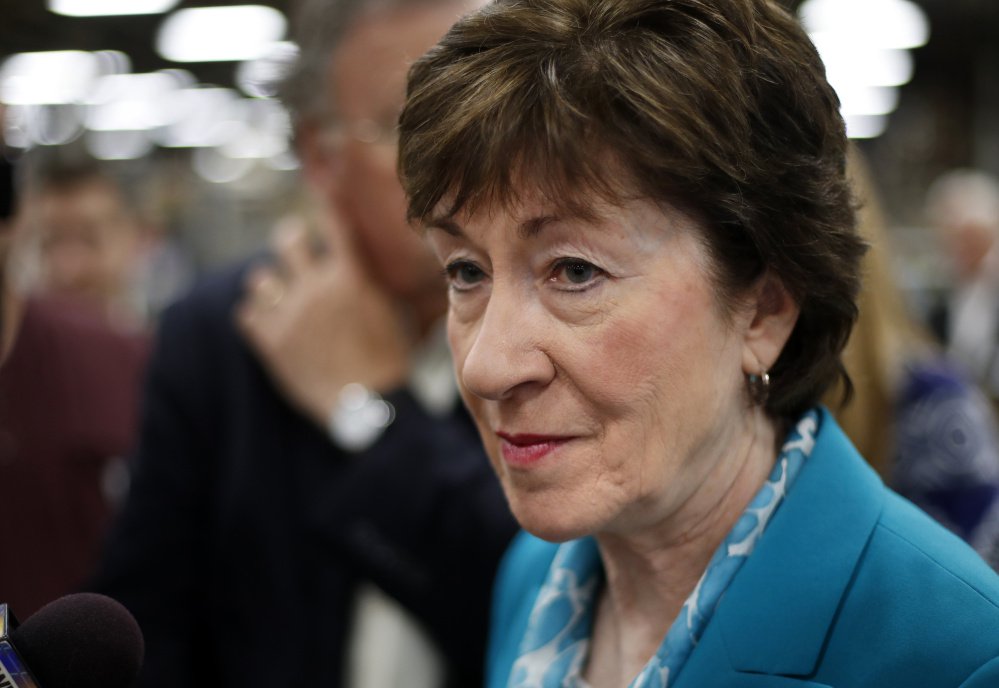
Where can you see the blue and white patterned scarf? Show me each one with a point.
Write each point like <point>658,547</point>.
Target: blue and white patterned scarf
<point>556,642</point>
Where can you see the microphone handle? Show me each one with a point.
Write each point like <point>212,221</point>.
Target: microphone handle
<point>14,673</point>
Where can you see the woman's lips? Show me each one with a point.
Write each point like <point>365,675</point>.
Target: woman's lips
<point>523,450</point>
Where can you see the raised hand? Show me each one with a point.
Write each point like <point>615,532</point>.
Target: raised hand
<point>318,321</point>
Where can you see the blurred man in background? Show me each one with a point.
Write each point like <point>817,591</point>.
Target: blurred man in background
<point>88,237</point>
<point>68,395</point>
<point>93,243</point>
<point>303,450</point>
<point>963,207</point>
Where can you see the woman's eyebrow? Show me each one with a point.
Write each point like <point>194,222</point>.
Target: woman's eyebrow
<point>530,228</point>
<point>526,229</point>
<point>446,225</point>
<point>587,216</point>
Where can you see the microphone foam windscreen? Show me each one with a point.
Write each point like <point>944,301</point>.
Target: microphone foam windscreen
<point>83,640</point>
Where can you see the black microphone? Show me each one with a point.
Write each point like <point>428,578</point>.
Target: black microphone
<point>83,640</point>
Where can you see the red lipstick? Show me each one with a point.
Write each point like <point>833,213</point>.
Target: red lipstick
<point>524,450</point>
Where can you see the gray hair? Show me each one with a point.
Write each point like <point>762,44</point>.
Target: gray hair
<point>318,28</point>
<point>965,195</point>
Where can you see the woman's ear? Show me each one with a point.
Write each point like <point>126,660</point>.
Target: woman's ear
<point>774,313</point>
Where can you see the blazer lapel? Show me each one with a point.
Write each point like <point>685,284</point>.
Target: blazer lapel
<point>771,624</point>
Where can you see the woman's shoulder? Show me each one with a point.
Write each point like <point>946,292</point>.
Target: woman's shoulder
<point>927,555</point>
<point>922,602</point>
<point>874,592</point>
<point>907,554</point>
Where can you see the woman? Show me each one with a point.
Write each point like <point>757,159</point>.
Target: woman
<point>642,211</point>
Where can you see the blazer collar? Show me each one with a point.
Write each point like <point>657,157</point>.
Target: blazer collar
<point>776,614</point>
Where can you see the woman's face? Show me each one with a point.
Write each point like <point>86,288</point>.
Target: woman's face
<point>602,375</point>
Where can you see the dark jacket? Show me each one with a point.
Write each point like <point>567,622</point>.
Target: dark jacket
<point>246,529</point>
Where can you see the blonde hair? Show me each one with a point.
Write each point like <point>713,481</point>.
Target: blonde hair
<point>884,338</point>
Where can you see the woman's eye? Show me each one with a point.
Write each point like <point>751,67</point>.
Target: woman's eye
<point>462,274</point>
<point>575,272</point>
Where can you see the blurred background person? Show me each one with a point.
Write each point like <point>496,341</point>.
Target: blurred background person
<point>963,208</point>
<point>88,237</point>
<point>914,415</point>
<point>303,457</point>
<point>8,207</point>
<point>68,409</point>
<point>93,243</point>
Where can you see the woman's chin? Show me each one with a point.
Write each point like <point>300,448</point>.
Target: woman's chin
<point>553,524</point>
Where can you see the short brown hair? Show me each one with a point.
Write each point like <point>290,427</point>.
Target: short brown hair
<point>720,107</point>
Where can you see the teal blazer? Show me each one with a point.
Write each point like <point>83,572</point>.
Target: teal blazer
<point>850,586</point>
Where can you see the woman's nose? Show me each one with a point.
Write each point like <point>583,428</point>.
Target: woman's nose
<point>507,354</point>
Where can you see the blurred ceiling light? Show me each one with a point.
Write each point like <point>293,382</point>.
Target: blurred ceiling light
<point>199,117</point>
<point>214,167</point>
<point>267,115</point>
<point>259,78</point>
<point>113,62</point>
<point>214,34</point>
<point>865,126</point>
<point>285,161</point>
<point>247,143</point>
<point>849,62</point>
<point>866,100</point>
<point>14,133</point>
<point>131,101</point>
<point>118,145</point>
<point>46,125</point>
<point>61,76</point>
<point>881,23</point>
<point>864,46</point>
<point>102,8</point>
<point>182,77</point>
<point>260,130</point>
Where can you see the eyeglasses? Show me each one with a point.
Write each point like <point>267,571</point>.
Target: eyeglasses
<point>366,131</point>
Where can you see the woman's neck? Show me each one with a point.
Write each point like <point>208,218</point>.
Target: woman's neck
<point>650,573</point>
